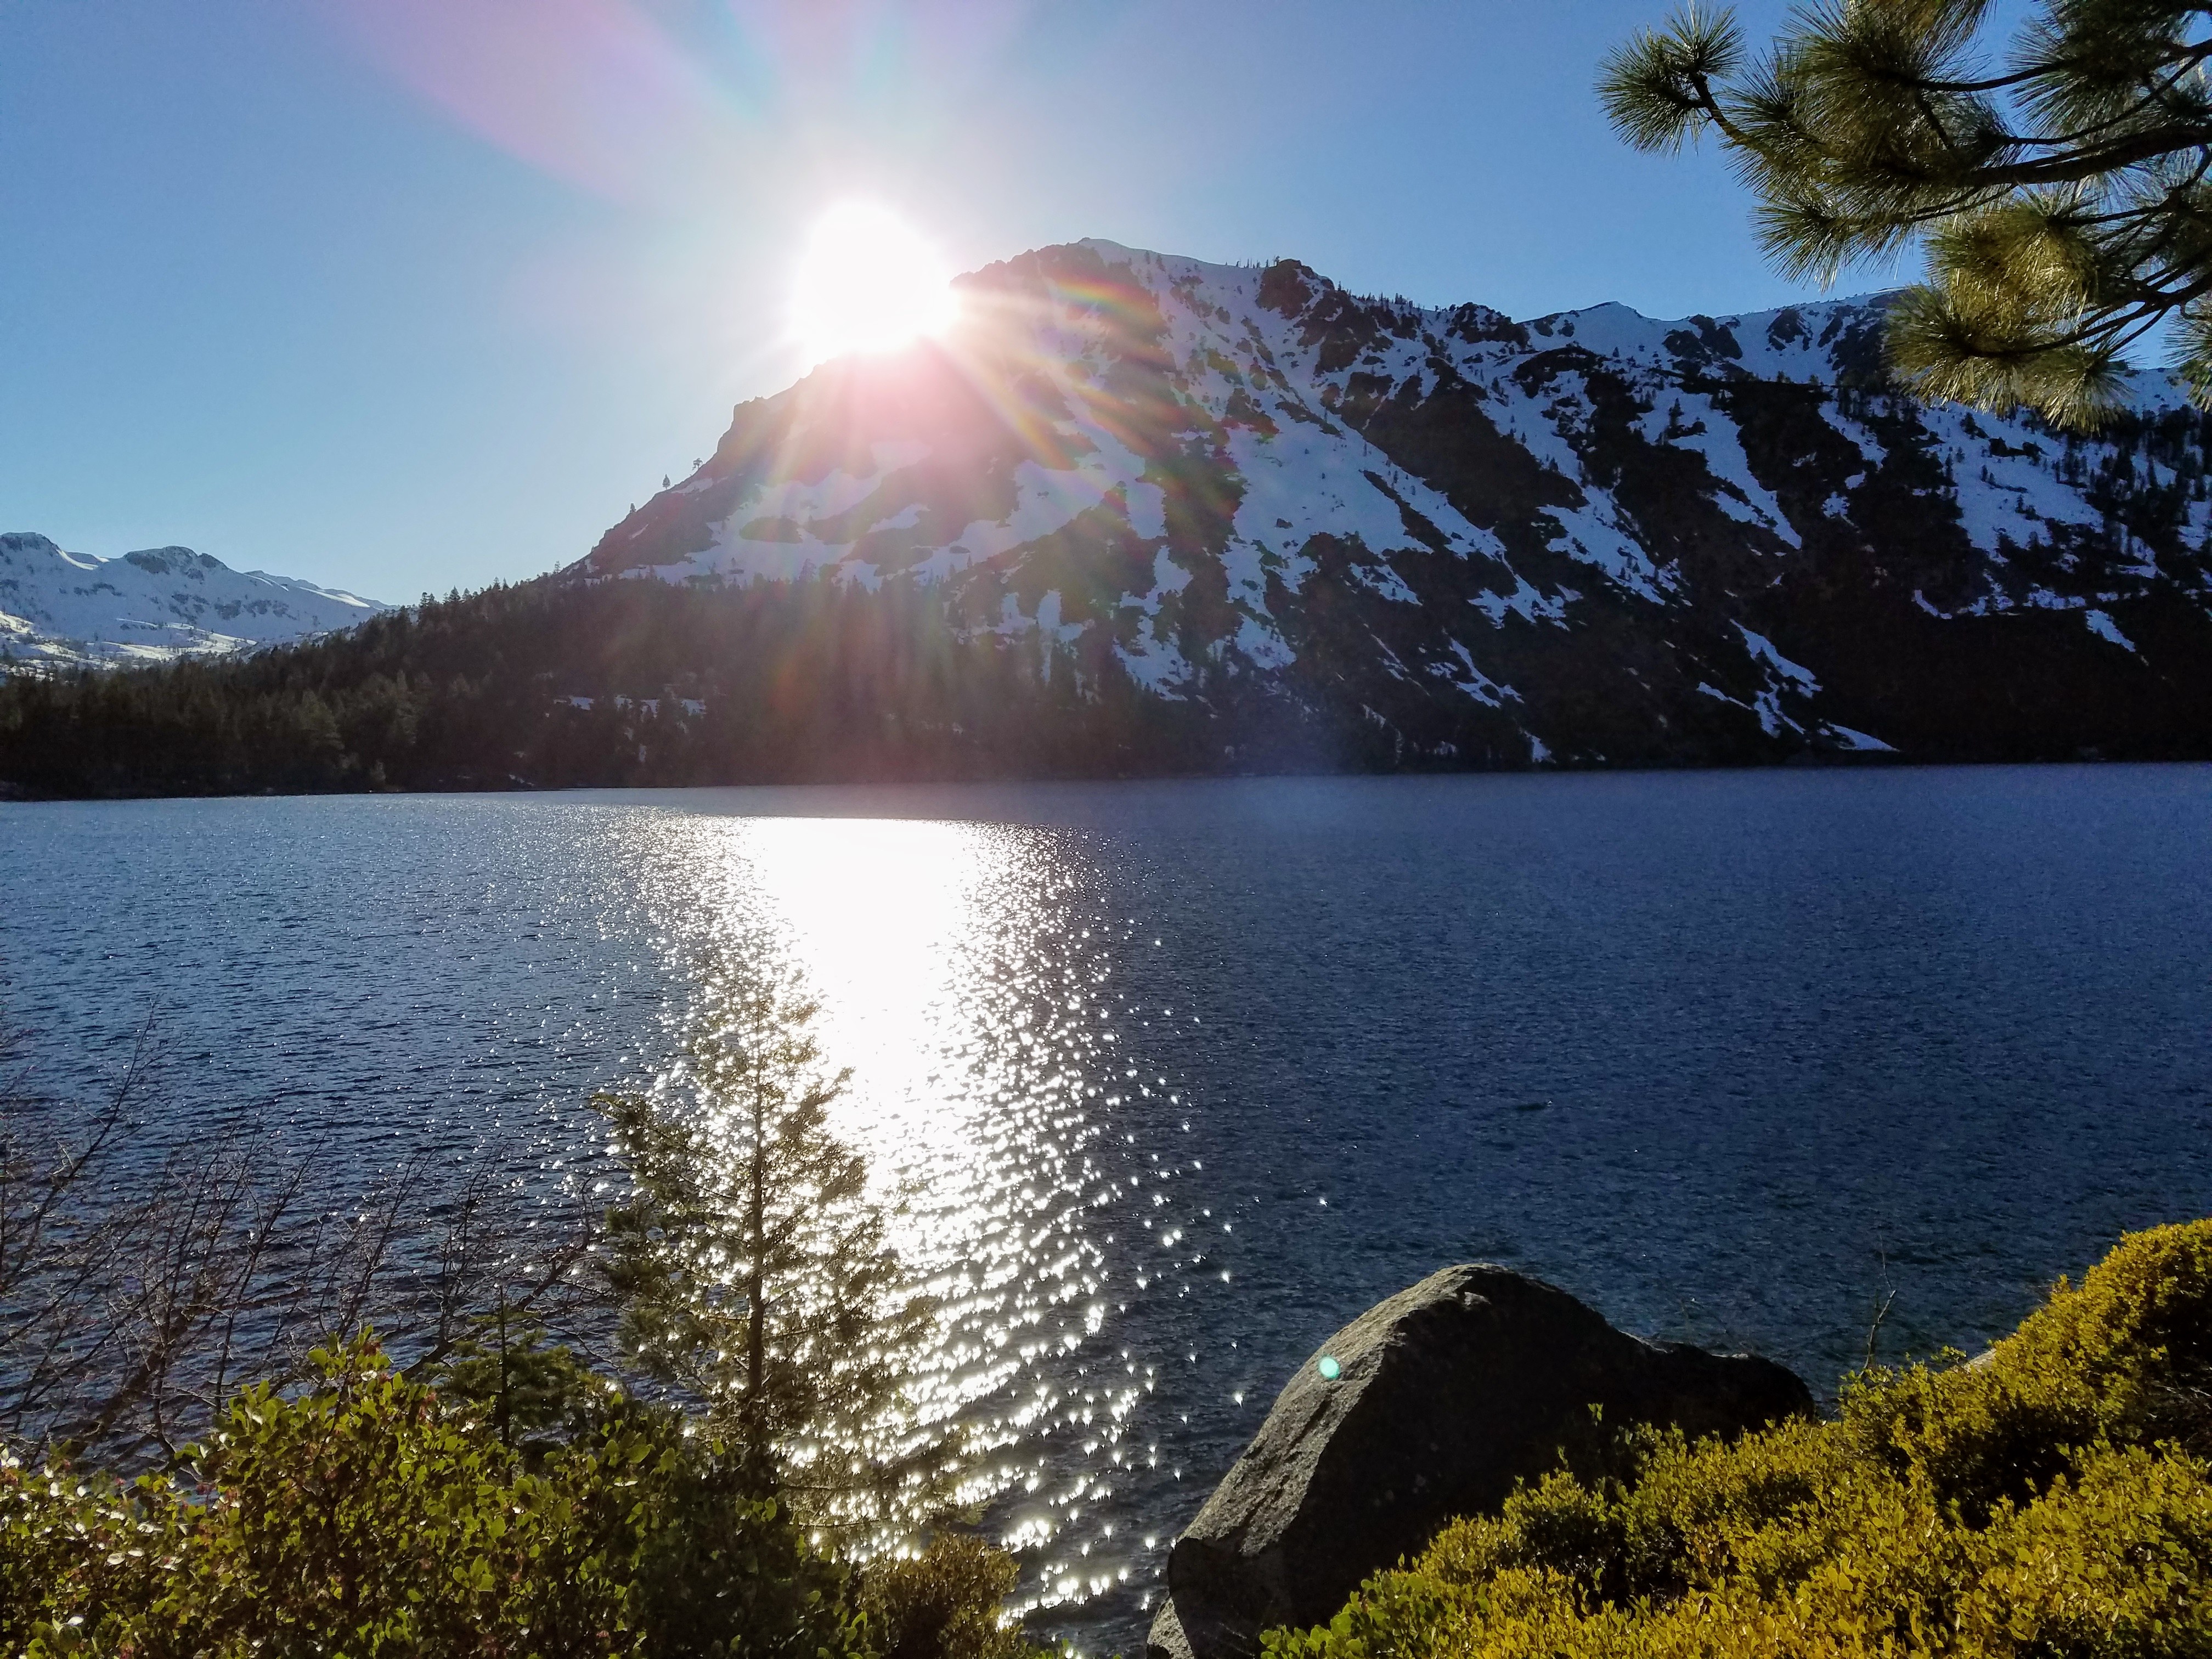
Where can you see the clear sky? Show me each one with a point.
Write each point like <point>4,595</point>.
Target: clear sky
<point>407,294</point>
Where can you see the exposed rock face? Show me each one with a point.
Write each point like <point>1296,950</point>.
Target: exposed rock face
<point>1445,1395</point>
<point>1324,530</point>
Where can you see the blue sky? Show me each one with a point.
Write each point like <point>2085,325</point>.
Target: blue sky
<point>408,294</point>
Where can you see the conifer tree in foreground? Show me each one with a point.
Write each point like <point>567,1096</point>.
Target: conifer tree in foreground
<point>752,1262</point>
<point>2062,193</point>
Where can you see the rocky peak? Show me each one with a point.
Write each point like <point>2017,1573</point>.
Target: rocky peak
<point>1589,535</point>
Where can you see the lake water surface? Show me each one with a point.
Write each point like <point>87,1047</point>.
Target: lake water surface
<point>1189,1074</point>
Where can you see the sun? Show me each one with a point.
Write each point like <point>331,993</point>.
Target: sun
<point>867,281</point>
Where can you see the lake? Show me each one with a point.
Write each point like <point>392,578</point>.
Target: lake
<point>1186,1074</point>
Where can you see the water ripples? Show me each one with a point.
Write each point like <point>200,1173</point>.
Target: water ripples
<point>966,974</point>
<point>1161,1083</point>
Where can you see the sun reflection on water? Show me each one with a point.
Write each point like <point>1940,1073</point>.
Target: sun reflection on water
<point>964,974</point>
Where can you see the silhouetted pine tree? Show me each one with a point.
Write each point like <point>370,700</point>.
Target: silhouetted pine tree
<point>753,1263</point>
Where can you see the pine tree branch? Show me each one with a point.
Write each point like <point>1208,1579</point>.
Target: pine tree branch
<point>2189,52</point>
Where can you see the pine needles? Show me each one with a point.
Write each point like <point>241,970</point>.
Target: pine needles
<point>2062,195</point>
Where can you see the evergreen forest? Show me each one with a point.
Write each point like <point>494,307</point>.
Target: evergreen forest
<point>547,685</point>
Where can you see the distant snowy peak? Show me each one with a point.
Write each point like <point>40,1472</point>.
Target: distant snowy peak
<point>1580,537</point>
<point>70,609</point>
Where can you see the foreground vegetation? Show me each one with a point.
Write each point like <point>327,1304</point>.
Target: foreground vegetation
<point>720,1475</point>
<point>720,1460</point>
<point>374,1515</point>
<point>2052,1500</point>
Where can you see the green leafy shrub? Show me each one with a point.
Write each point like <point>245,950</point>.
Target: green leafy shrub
<point>2050,1500</point>
<point>369,1518</point>
<point>944,1603</point>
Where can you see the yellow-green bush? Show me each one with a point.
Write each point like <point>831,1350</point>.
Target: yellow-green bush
<point>369,1517</point>
<point>2050,1500</point>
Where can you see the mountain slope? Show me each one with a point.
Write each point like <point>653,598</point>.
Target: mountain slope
<point>1591,537</point>
<point>69,609</point>
<point>1141,515</point>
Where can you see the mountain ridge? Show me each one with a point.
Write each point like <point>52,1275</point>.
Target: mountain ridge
<point>59,609</point>
<point>1141,515</point>
<point>1506,485</point>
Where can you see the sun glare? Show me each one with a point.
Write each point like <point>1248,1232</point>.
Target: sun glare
<point>867,282</point>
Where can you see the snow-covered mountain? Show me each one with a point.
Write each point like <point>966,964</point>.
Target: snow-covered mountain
<point>69,609</point>
<point>1590,537</point>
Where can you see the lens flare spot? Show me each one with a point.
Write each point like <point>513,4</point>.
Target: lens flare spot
<point>868,282</point>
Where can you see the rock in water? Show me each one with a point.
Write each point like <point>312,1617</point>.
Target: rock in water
<point>1442,1397</point>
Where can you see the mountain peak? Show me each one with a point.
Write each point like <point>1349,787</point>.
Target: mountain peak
<point>58,608</point>
<point>1193,477</point>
